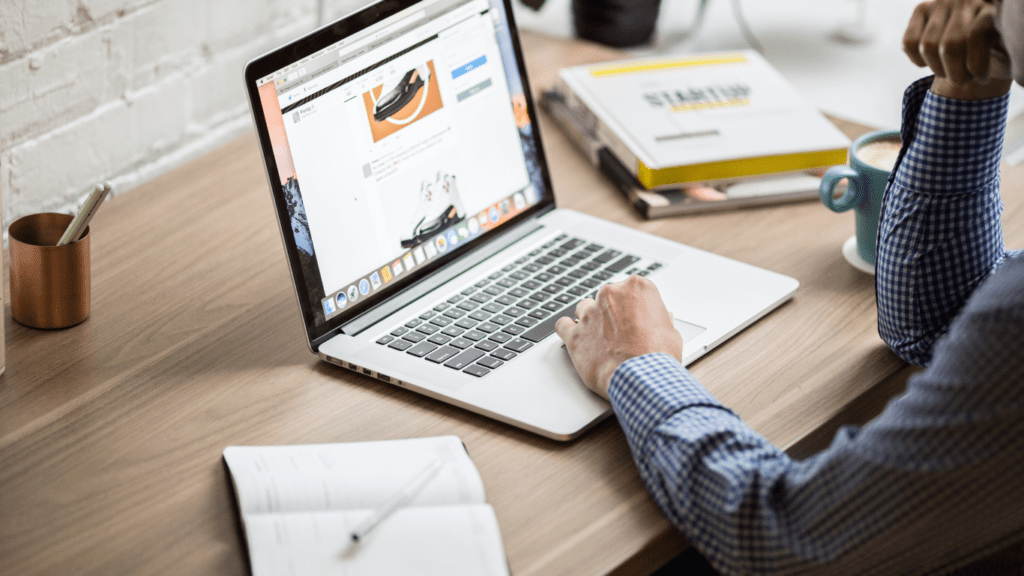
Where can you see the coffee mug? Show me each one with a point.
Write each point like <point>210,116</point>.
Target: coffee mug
<point>872,157</point>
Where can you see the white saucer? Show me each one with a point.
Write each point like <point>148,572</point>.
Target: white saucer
<point>851,255</point>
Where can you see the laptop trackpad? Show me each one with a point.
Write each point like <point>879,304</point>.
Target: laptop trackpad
<point>687,330</point>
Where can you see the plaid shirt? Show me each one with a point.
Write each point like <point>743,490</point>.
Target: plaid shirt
<point>937,480</point>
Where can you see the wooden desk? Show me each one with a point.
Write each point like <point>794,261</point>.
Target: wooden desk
<point>111,432</point>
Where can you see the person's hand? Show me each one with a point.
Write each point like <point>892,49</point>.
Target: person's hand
<point>959,41</point>
<point>627,320</point>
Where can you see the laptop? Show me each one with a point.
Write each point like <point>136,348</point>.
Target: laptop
<point>416,210</point>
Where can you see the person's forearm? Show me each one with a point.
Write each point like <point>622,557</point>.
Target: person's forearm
<point>714,477</point>
<point>737,497</point>
<point>688,448</point>
<point>905,477</point>
<point>940,231</point>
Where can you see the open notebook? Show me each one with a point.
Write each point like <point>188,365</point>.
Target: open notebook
<point>299,505</point>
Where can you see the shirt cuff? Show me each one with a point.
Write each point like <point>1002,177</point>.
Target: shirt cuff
<point>950,146</point>
<point>647,390</point>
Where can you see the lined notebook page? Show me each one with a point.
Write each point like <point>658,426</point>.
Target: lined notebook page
<point>442,541</point>
<point>353,476</point>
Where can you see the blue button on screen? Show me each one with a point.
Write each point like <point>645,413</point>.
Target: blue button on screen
<point>467,67</point>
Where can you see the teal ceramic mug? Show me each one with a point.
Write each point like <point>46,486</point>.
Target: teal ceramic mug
<point>872,157</point>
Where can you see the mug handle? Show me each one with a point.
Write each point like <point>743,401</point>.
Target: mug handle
<point>829,181</point>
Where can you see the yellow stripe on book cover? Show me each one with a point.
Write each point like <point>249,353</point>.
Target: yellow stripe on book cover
<point>738,168</point>
<point>652,65</point>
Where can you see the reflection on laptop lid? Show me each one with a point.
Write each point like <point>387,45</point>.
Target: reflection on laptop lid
<point>381,132</point>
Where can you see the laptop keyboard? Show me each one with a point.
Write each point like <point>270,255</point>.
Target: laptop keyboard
<point>502,314</point>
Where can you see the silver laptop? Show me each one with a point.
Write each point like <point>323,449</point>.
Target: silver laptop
<point>417,214</point>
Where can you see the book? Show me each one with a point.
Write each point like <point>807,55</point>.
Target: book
<point>684,199</point>
<point>300,504</point>
<point>700,119</point>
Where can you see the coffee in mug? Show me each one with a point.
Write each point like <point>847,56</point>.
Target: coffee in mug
<point>881,154</point>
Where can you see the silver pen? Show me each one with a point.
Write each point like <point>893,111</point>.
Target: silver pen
<point>407,493</point>
<point>77,227</point>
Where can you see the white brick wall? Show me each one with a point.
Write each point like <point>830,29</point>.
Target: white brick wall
<point>123,90</point>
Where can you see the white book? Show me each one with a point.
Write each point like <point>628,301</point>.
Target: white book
<point>686,198</point>
<point>702,118</point>
<point>300,504</point>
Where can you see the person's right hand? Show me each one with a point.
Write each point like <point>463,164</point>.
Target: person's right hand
<point>627,320</point>
<point>959,41</point>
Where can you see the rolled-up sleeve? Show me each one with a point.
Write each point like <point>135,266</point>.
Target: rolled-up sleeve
<point>940,233</point>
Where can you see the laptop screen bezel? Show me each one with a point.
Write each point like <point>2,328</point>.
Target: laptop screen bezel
<point>317,40</point>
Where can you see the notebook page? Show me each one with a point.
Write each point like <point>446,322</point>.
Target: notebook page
<point>447,540</point>
<point>356,475</point>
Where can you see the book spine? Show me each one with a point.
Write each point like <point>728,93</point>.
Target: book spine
<point>623,182</point>
<point>595,127</point>
<point>741,168</point>
<point>554,104</point>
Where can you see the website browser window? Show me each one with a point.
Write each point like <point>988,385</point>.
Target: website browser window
<point>403,145</point>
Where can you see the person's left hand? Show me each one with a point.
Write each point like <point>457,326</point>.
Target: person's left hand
<point>627,320</point>
<point>959,41</point>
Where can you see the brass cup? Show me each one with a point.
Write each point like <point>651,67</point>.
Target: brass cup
<point>50,284</point>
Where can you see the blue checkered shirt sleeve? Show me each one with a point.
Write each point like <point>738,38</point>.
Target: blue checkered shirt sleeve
<point>940,233</point>
<point>931,484</point>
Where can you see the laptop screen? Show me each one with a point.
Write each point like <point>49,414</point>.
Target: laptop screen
<point>396,147</point>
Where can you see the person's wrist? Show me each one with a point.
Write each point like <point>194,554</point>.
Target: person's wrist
<point>972,90</point>
<point>604,384</point>
<point>604,378</point>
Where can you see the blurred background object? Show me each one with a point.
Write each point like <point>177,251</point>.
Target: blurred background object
<point>857,30</point>
<point>618,23</point>
<point>859,81</point>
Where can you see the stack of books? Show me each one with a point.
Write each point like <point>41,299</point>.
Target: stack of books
<point>696,134</point>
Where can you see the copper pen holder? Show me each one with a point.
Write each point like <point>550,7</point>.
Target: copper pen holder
<point>50,284</point>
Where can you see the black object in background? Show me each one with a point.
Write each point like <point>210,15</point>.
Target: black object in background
<point>618,23</point>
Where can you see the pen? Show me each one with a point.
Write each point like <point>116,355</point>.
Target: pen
<point>77,227</point>
<point>403,497</point>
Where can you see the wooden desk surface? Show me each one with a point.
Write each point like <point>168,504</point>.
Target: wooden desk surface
<point>111,432</point>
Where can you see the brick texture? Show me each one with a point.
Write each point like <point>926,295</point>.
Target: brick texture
<point>123,90</point>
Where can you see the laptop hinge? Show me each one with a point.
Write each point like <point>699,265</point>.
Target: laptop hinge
<point>458,266</point>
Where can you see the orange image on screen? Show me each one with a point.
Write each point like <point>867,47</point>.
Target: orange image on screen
<point>402,102</point>
<point>275,128</point>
